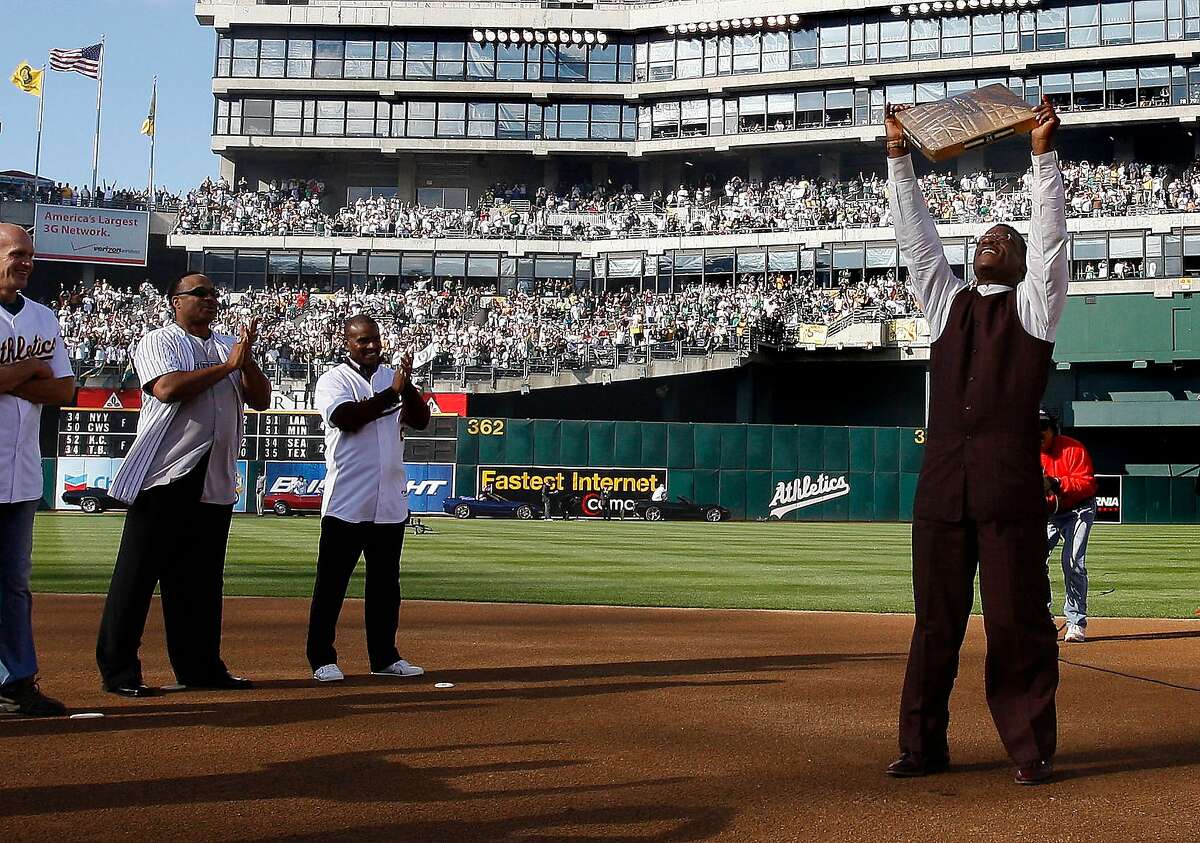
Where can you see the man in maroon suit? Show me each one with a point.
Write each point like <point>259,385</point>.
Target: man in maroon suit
<point>979,498</point>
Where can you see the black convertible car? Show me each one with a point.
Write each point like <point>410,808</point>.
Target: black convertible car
<point>92,499</point>
<point>681,509</point>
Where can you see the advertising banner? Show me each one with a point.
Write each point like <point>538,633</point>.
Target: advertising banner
<point>94,397</point>
<point>447,403</point>
<point>90,235</point>
<point>80,477</point>
<point>582,486</point>
<point>1108,499</point>
<point>300,486</point>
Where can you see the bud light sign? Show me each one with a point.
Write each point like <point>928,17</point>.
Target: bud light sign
<point>300,486</point>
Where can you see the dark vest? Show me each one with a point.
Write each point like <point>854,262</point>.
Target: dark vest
<point>987,377</point>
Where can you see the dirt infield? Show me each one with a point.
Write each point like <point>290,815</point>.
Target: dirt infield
<point>593,724</point>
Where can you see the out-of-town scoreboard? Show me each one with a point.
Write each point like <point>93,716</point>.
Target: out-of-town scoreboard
<point>271,435</point>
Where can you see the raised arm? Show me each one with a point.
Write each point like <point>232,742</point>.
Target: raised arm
<point>933,282</point>
<point>1042,296</point>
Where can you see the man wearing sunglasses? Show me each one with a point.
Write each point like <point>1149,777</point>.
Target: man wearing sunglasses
<point>1069,482</point>
<point>979,502</point>
<point>180,479</point>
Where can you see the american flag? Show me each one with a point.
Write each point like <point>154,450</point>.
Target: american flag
<point>85,60</point>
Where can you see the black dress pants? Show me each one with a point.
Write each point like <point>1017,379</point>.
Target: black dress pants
<point>173,540</point>
<point>342,542</point>
<point>1021,668</point>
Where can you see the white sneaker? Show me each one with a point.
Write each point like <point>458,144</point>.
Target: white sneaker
<point>399,668</point>
<point>328,673</point>
<point>1074,634</point>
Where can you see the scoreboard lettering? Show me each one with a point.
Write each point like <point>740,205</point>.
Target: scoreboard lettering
<point>265,436</point>
<point>272,435</point>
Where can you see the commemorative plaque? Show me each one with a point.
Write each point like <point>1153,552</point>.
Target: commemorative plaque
<point>949,127</point>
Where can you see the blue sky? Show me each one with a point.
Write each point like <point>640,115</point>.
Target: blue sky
<point>144,38</point>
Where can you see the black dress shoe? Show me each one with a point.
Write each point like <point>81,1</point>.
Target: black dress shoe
<point>135,691</point>
<point>225,682</point>
<point>1039,772</point>
<point>910,766</point>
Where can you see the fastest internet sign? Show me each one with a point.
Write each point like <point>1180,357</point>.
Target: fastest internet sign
<point>91,235</point>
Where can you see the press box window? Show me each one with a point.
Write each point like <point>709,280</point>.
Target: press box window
<point>256,117</point>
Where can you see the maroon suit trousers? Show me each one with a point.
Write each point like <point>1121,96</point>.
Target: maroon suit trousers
<point>1021,670</point>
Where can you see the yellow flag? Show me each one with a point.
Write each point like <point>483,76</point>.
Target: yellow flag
<point>28,79</point>
<point>148,123</point>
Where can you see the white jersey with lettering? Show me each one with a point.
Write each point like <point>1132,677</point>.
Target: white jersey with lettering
<point>32,332</point>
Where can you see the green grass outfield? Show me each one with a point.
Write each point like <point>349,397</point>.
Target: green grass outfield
<point>1155,570</point>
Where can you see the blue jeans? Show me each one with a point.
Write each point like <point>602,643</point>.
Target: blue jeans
<point>17,659</point>
<point>1073,527</point>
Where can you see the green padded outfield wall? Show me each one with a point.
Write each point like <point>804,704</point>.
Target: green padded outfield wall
<point>854,473</point>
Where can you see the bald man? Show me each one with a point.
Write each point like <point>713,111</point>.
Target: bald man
<point>365,505</point>
<point>34,370</point>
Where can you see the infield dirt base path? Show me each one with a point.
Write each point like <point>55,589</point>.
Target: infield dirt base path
<point>592,723</point>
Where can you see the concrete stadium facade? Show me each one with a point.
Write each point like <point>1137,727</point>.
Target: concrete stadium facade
<point>437,101</point>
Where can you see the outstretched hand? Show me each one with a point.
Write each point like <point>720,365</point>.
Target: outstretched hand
<point>1042,137</point>
<point>895,132</point>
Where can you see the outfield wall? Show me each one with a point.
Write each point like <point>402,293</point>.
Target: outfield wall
<point>853,473</point>
<point>796,473</point>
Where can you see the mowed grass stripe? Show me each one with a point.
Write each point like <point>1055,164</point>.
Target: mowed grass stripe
<point>1155,570</point>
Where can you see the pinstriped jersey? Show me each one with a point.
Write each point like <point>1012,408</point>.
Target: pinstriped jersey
<point>161,352</point>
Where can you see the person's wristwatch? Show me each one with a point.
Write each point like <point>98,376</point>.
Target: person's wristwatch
<point>897,143</point>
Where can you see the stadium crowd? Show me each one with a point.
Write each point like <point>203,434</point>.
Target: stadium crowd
<point>106,195</point>
<point>739,206</point>
<point>471,326</point>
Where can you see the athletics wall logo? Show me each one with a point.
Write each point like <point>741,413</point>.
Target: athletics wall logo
<point>804,491</point>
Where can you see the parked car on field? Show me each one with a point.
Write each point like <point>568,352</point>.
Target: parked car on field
<point>92,499</point>
<point>493,506</point>
<point>285,503</point>
<point>681,509</point>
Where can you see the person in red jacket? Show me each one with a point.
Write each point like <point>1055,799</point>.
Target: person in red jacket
<point>1070,485</point>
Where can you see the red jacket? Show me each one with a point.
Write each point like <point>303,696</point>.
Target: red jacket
<point>1070,465</point>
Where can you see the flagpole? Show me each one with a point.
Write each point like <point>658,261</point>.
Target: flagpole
<point>99,101</point>
<point>37,155</point>
<point>153,135</point>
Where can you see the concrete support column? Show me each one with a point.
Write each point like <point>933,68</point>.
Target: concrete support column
<point>831,165</point>
<point>1123,148</point>
<point>969,162</point>
<point>550,174</point>
<point>755,167</point>
<point>746,404</point>
<point>600,173</point>
<point>228,170</point>
<point>406,176</point>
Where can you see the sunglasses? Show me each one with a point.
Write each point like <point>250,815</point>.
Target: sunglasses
<point>1046,426</point>
<point>201,293</point>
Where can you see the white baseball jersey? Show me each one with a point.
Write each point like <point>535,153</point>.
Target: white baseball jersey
<point>161,352</point>
<point>365,477</point>
<point>32,332</point>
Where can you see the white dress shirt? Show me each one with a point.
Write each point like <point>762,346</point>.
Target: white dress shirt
<point>365,477</point>
<point>1041,297</point>
<point>32,332</point>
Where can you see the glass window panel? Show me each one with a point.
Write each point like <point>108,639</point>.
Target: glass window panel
<point>327,49</point>
<point>1126,245</point>
<point>245,48</point>
<point>782,261</point>
<point>275,48</point>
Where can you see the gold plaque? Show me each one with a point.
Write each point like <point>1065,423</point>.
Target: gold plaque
<point>949,127</point>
